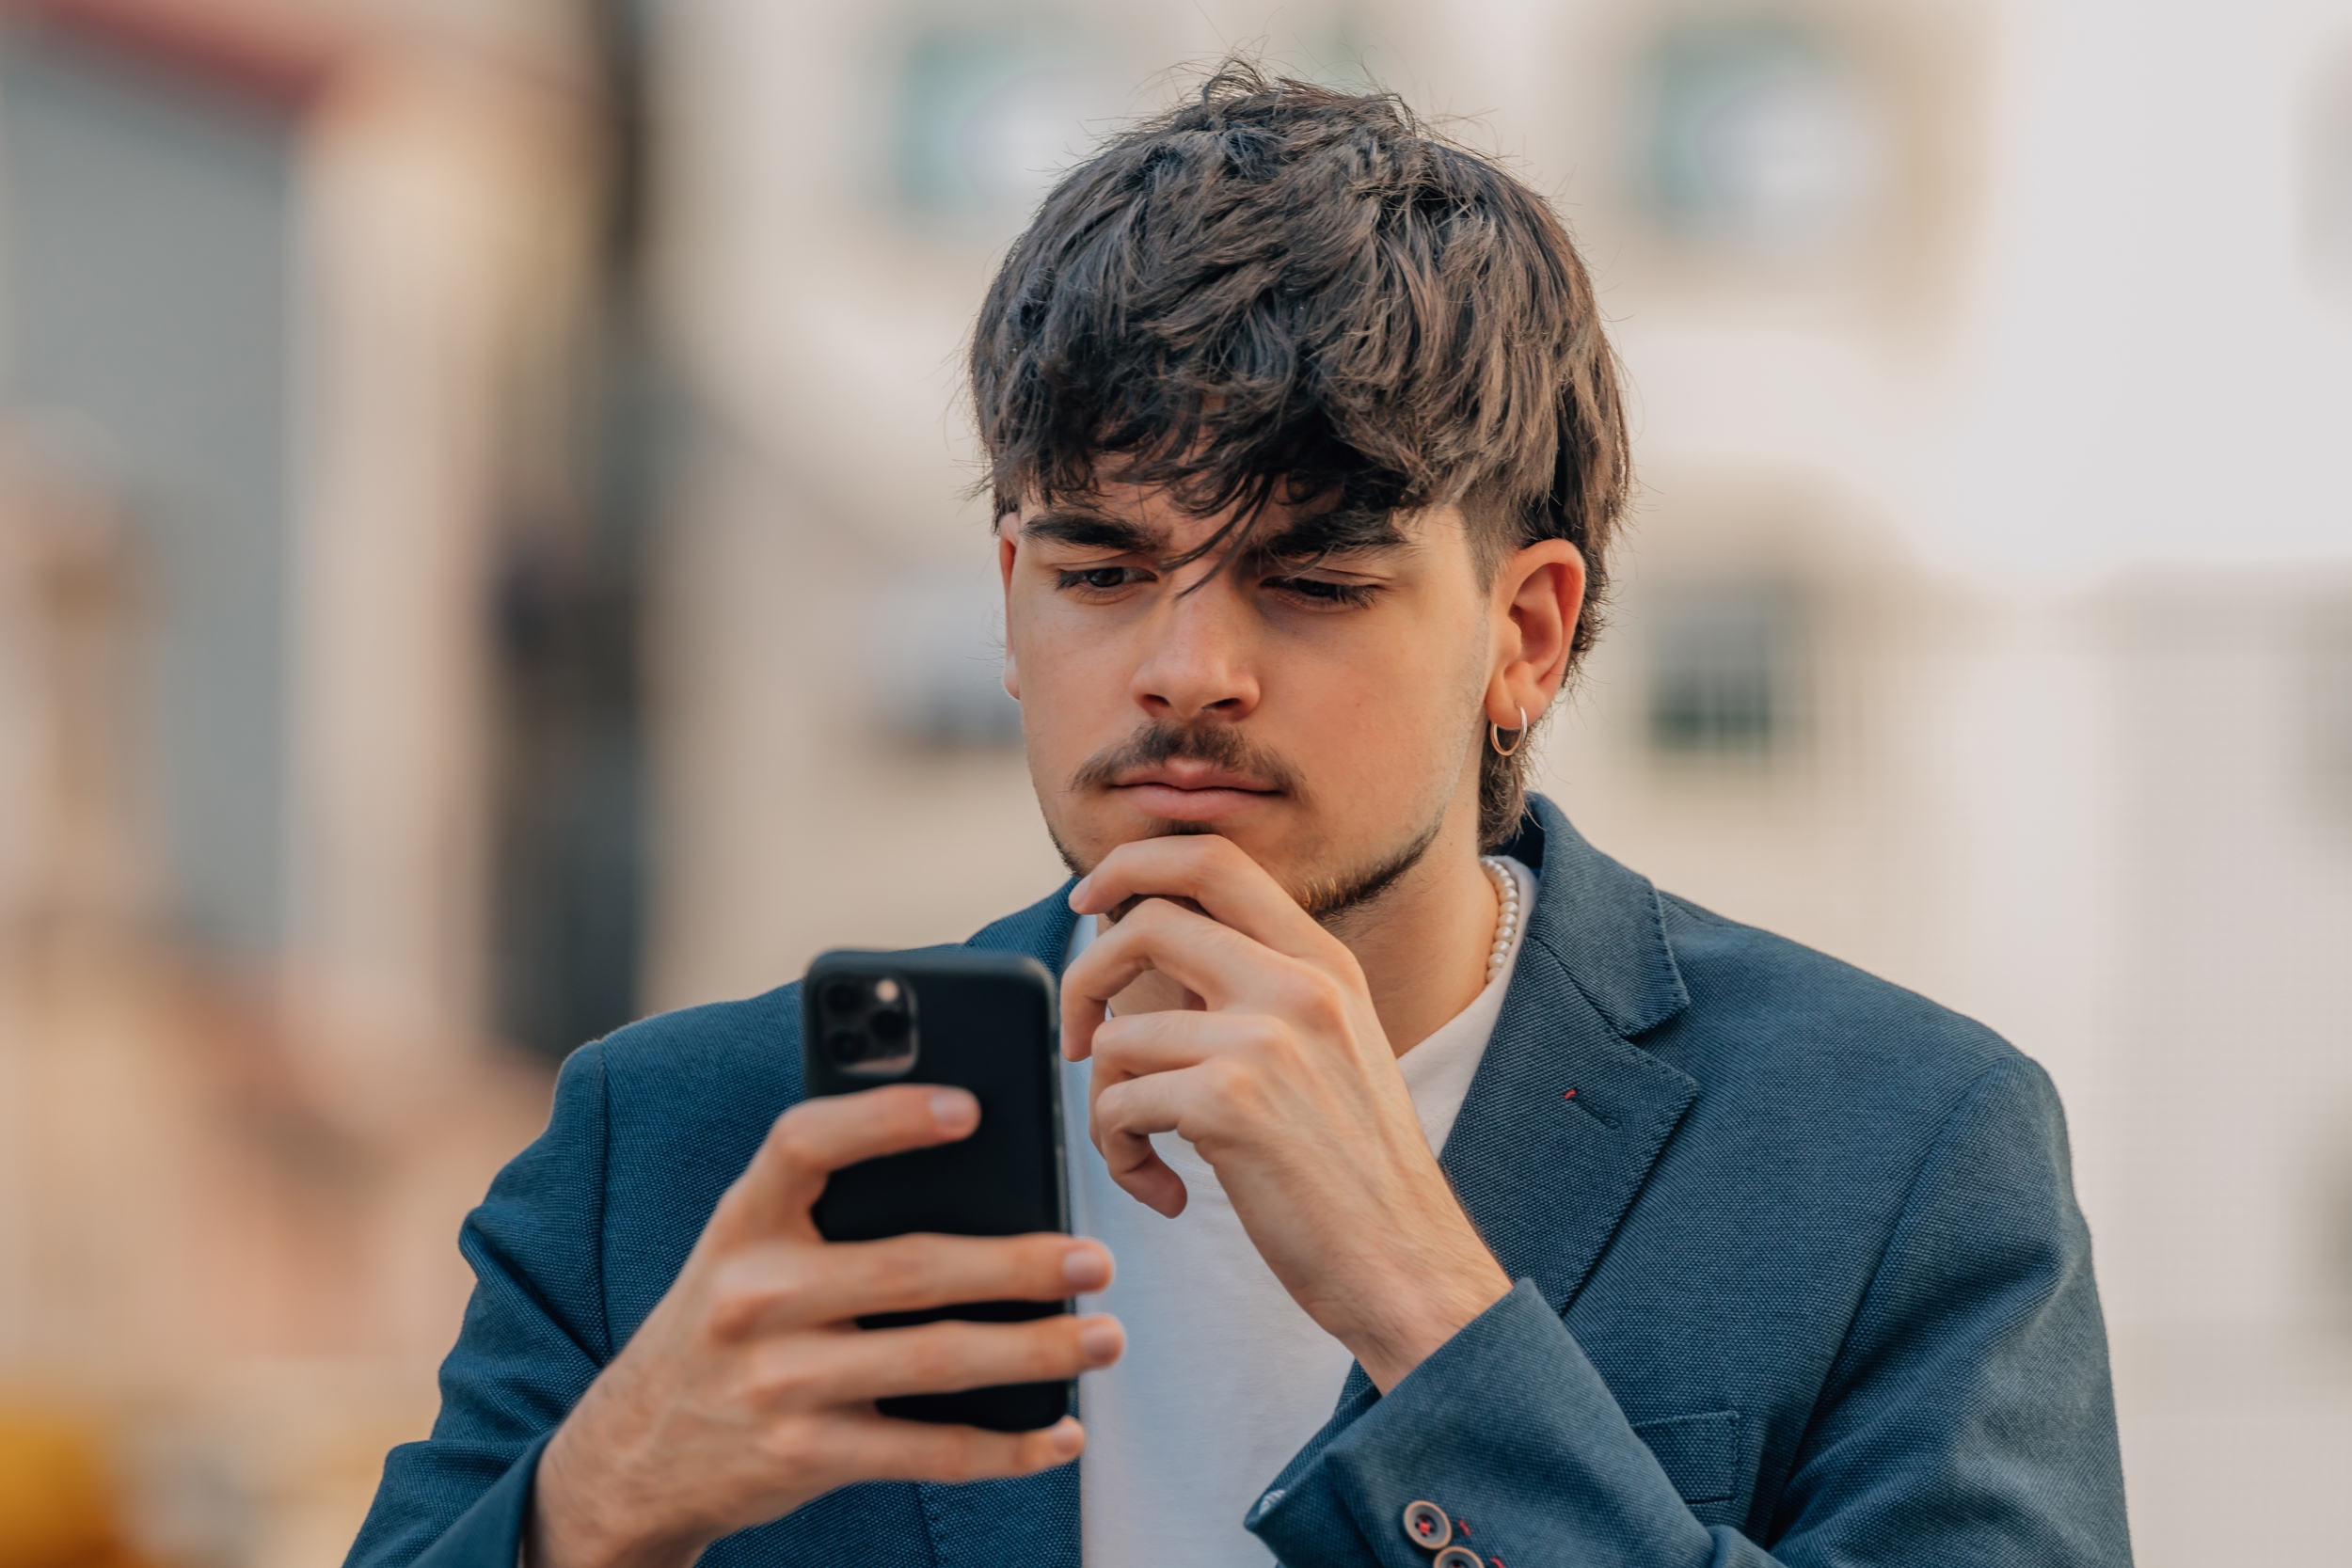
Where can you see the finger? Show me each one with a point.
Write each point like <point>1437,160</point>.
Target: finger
<point>1134,1044</point>
<point>1121,1118</point>
<point>1217,875</point>
<point>946,1357</point>
<point>816,1137</point>
<point>791,1284</point>
<point>875,1448</point>
<point>1215,962</point>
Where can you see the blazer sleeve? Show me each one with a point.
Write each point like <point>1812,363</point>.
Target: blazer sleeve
<point>1968,1418</point>
<point>534,1337</point>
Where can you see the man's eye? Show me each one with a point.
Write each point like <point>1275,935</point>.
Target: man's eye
<point>1322,590</point>
<point>1100,579</point>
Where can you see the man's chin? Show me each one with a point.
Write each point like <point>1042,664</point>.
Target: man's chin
<point>1288,849</point>
<point>1085,841</point>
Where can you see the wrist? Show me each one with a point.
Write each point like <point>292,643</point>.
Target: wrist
<point>580,1520</point>
<point>1423,1316</point>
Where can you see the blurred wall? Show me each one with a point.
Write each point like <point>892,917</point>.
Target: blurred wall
<point>293,293</point>
<point>146,294</point>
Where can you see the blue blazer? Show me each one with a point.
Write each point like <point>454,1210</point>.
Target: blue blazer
<point>1801,1280</point>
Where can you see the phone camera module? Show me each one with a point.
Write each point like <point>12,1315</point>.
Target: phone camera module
<point>869,1025</point>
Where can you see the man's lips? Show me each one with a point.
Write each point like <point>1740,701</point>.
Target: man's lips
<point>1189,794</point>
<point>1178,775</point>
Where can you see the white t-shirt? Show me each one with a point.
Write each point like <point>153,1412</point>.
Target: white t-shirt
<point>1225,1377</point>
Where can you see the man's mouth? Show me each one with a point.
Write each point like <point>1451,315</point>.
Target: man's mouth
<point>1184,791</point>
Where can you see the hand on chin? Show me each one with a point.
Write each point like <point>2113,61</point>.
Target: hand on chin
<point>1250,1034</point>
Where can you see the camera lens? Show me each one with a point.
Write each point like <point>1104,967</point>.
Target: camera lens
<point>889,1025</point>
<point>844,1046</point>
<point>841,997</point>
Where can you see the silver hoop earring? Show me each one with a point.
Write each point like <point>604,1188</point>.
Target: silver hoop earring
<point>1494,735</point>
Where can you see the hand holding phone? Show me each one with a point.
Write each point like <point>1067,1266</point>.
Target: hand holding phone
<point>750,1390</point>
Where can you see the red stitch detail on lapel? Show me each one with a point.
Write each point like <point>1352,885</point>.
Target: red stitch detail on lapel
<point>1570,1095</point>
<point>1463,1525</point>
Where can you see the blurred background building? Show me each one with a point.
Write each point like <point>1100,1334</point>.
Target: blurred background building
<point>484,557</point>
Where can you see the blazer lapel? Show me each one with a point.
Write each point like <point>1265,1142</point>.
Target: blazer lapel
<point>1566,1116</point>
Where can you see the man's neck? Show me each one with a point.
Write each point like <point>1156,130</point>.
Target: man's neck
<point>1423,944</point>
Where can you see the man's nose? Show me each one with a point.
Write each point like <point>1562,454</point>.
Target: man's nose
<point>1199,660</point>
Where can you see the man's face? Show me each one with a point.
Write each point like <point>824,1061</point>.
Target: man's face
<point>1324,714</point>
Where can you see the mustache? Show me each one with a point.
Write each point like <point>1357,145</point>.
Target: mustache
<point>1218,742</point>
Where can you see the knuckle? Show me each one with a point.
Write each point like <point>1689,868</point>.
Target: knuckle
<point>902,1270</point>
<point>1109,1112</point>
<point>777,1379</point>
<point>792,1446</point>
<point>1315,997</point>
<point>1233,1081</point>
<point>795,1136</point>
<point>748,1290</point>
<point>1262,1033</point>
<point>735,1306</point>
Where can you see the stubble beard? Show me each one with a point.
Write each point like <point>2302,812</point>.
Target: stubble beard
<point>1334,899</point>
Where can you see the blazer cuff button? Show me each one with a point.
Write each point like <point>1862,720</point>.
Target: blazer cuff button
<point>1427,1527</point>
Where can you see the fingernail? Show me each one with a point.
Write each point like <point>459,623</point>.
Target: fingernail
<point>954,1111</point>
<point>1079,892</point>
<point>1066,1437</point>
<point>1086,1268</point>
<point>1102,1340</point>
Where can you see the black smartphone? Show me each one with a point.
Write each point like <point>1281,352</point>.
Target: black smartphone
<point>979,1020</point>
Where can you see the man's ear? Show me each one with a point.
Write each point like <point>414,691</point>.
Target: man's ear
<point>1007,546</point>
<point>1539,595</point>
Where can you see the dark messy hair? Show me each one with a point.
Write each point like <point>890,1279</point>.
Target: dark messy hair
<point>1280,292</point>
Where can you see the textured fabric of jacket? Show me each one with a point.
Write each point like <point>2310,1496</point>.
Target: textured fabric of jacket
<point>1801,1277</point>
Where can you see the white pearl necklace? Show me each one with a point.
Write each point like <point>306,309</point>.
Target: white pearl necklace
<point>1508,919</point>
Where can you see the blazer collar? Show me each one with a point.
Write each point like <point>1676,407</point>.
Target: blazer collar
<point>1600,921</point>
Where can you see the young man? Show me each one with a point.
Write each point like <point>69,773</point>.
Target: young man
<point>1465,1211</point>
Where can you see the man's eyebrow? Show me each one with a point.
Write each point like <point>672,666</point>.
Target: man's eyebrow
<point>1333,533</point>
<point>1092,531</point>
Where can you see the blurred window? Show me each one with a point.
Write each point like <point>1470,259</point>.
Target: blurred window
<point>1727,675</point>
<point>1757,132</point>
<point>988,117</point>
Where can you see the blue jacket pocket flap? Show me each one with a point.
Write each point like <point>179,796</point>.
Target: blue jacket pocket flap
<point>1700,1453</point>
